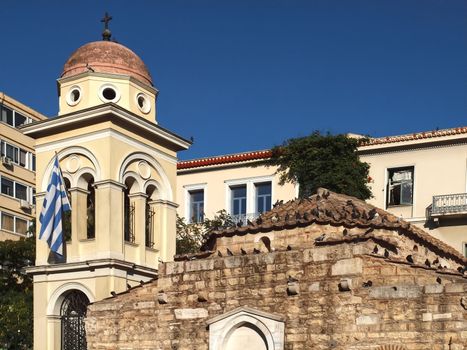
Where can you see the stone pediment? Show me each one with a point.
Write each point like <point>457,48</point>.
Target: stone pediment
<point>262,330</point>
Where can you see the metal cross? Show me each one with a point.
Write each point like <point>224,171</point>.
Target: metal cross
<point>106,20</point>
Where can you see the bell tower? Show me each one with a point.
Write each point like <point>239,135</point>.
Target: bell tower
<point>119,168</point>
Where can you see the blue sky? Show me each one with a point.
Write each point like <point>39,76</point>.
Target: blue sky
<point>247,74</point>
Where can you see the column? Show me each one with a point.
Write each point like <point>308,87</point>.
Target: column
<point>165,228</point>
<point>109,219</point>
<point>78,221</point>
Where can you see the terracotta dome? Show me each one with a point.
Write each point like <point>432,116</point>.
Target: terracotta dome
<point>106,57</point>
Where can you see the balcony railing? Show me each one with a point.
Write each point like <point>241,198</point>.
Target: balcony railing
<point>243,218</point>
<point>449,204</point>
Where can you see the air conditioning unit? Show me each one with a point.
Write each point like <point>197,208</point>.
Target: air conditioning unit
<point>6,161</point>
<point>24,204</point>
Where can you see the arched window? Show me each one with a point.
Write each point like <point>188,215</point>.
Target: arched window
<point>128,213</point>
<point>72,314</point>
<point>66,216</point>
<point>91,210</point>
<point>150,216</point>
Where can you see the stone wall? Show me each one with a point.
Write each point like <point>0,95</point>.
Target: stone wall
<point>330,297</point>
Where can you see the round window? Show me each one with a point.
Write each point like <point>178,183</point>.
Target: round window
<point>143,103</point>
<point>74,96</point>
<point>109,93</point>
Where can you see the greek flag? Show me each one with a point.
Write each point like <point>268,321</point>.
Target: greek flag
<point>55,203</point>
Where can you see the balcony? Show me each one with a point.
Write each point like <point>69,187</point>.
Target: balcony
<point>449,204</point>
<point>242,219</point>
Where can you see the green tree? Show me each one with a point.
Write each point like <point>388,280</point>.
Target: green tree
<point>329,161</point>
<point>190,237</point>
<point>16,306</point>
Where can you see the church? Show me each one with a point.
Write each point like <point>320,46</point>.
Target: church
<point>328,272</point>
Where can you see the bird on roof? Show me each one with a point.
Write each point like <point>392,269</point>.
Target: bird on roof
<point>375,250</point>
<point>409,258</point>
<point>259,220</point>
<point>371,214</point>
<point>89,68</point>
<point>219,254</point>
<point>243,251</point>
<point>229,252</point>
<point>249,223</point>
<point>240,223</point>
<point>256,251</point>
<point>320,238</point>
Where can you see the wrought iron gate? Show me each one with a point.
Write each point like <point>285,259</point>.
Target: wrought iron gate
<point>73,311</point>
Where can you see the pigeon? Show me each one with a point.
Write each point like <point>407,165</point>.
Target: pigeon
<point>259,221</point>
<point>386,253</point>
<point>367,284</point>
<point>427,263</point>
<point>375,250</point>
<point>229,252</point>
<point>289,247</point>
<point>113,293</point>
<point>371,214</point>
<point>436,261</point>
<point>240,223</point>
<point>438,280</point>
<point>128,286</point>
<point>256,251</point>
<point>89,68</point>
<point>345,232</point>
<point>291,279</point>
<point>249,222</point>
<point>410,259</point>
<point>219,254</point>
<point>275,218</point>
<point>243,251</point>
<point>320,238</point>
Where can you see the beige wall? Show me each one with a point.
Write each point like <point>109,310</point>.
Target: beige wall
<point>438,170</point>
<point>24,175</point>
<point>216,181</point>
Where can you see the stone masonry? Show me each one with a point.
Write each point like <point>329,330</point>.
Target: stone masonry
<point>336,286</point>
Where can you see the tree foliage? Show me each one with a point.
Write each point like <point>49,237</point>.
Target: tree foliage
<point>16,306</point>
<point>329,161</point>
<point>190,237</point>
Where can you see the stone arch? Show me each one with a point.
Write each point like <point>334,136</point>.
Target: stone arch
<point>165,188</point>
<point>57,297</point>
<point>65,153</point>
<point>81,177</point>
<point>266,329</point>
<point>152,188</point>
<point>137,184</point>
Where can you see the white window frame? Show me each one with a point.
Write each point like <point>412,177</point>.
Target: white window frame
<point>28,119</point>
<point>250,191</point>
<point>15,217</point>
<point>195,187</point>
<point>28,189</point>
<point>386,180</point>
<point>28,162</point>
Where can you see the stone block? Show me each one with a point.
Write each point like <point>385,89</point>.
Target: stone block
<point>314,287</point>
<point>174,267</point>
<point>454,288</point>
<point>366,320</point>
<point>434,288</point>
<point>199,265</point>
<point>188,314</point>
<point>233,262</point>
<point>347,267</point>
<point>442,316</point>
<point>395,292</point>
<point>427,317</point>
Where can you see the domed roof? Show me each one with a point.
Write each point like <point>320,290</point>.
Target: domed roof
<point>106,57</point>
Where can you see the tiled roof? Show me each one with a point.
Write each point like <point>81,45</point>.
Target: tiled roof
<point>329,208</point>
<point>225,159</point>
<point>415,136</point>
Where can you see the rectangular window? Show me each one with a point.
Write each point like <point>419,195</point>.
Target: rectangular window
<point>22,157</point>
<point>8,222</point>
<point>2,148</point>
<point>400,186</point>
<point>19,119</point>
<point>6,115</point>
<point>465,250</point>
<point>21,226</point>
<point>238,195</point>
<point>7,187</point>
<point>33,162</point>
<point>196,205</point>
<point>12,152</point>
<point>21,191</point>
<point>34,196</point>
<point>263,196</point>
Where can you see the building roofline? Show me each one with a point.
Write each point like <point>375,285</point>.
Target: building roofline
<point>224,159</point>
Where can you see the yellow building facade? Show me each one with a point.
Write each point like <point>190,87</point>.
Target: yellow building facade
<point>17,169</point>
<point>119,167</point>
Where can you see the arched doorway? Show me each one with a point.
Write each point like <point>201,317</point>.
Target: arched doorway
<point>72,314</point>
